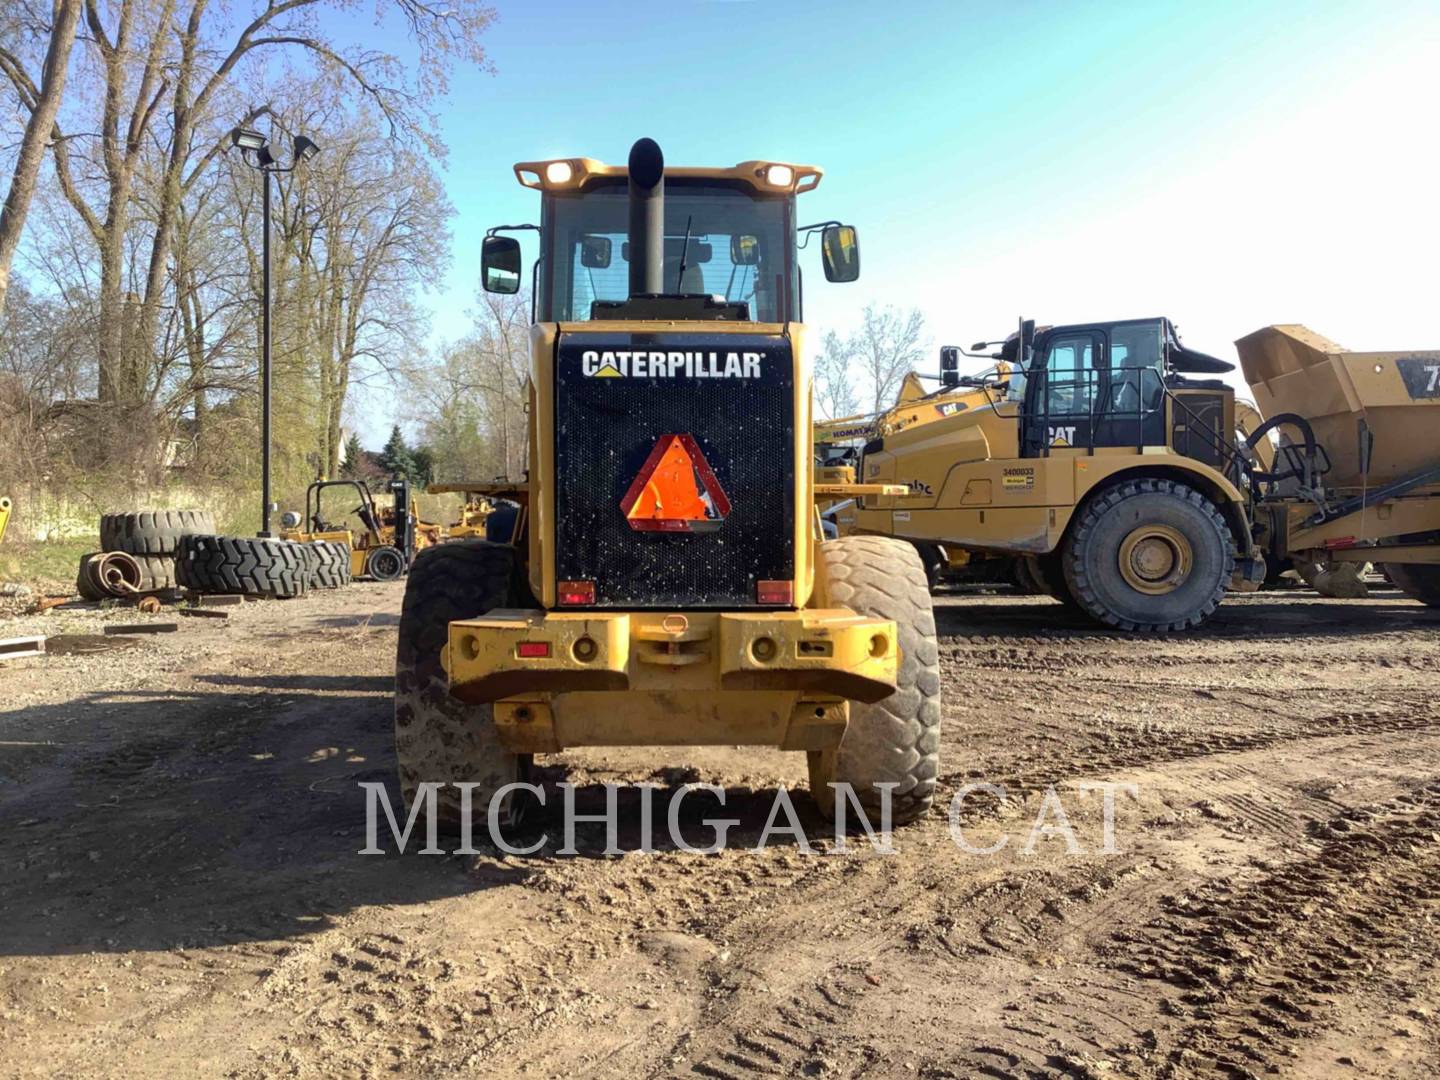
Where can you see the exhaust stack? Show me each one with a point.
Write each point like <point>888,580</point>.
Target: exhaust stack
<point>647,218</point>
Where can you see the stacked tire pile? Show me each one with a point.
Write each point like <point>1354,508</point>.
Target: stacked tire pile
<point>138,552</point>
<point>250,566</point>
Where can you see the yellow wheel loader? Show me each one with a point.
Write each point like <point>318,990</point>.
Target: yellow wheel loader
<point>1107,460</point>
<point>666,580</point>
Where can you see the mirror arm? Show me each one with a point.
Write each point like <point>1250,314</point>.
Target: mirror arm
<point>511,228</point>
<point>807,231</point>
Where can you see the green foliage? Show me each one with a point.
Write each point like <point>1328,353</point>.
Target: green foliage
<point>354,458</point>
<point>395,457</point>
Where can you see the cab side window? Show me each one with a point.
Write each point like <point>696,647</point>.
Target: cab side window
<point>1070,376</point>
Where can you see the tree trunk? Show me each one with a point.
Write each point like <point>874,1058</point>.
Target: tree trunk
<point>37,134</point>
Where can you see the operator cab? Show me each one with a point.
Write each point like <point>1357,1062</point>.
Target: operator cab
<point>727,247</point>
<point>1119,384</point>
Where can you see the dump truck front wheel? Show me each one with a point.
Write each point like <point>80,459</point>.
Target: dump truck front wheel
<point>1419,581</point>
<point>438,738</point>
<point>896,740</point>
<point>1150,556</point>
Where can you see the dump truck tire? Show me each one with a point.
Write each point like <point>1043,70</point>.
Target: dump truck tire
<point>1419,581</point>
<point>438,738</point>
<point>896,740</point>
<point>1149,556</point>
<point>153,532</point>
<point>332,564</point>
<point>243,565</point>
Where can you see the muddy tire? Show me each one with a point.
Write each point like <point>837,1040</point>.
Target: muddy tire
<point>332,564</point>
<point>1148,556</point>
<point>438,738</point>
<point>896,740</point>
<point>243,565</point>
<point>1419,581</point>
<point>153,532</point>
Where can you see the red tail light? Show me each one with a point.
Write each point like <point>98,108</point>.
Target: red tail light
<point>775,592</point>
<point>577,592</point>
<point>532,650</point>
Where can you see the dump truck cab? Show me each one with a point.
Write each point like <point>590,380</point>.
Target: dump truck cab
<point>668,582</point>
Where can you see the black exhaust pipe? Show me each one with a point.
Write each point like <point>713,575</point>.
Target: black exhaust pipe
<point>647,218</point>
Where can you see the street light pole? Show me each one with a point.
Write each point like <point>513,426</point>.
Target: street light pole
<point>303,149</point>
<point>265,370</point>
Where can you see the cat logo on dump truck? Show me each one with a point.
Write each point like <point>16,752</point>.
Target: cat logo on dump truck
<point>655,364</point>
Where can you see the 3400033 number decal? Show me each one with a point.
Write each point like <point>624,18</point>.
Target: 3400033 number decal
<point>1421,375</point>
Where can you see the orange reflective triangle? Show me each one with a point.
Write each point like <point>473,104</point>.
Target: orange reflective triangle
<point>675,491</point>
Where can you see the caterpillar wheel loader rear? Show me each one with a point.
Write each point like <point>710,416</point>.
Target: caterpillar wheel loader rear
<point>666,581</point>
<point>1107,461</point>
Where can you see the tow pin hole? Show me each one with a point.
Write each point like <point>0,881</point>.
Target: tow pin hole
<point>879,646</point>
<point>585,649</point>
<point>819,713</point>
<point>470,646</point>
<point>523,713</point>
<point>763,649</point>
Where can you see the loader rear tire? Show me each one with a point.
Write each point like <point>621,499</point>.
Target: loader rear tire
<point>897,740</point>
<point>1419,581</point>
<point>153,532</point>
<point>243,565</point>
<point>437,737</point>
<point>1150,556</point>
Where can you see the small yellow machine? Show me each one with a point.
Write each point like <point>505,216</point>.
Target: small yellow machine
<point>1108,460</point>
<point>388,538</point>
<point>668,581</point>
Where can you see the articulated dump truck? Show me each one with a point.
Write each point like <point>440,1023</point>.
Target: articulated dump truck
<point>667,580</point>
<point>1108,462</point>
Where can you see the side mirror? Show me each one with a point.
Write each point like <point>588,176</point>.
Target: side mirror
<point>979,345</point>
<point>840,251</point>
<point>595,252</point>
<point>500,264</point>
<point>744,250</point>
<point>949,365</point>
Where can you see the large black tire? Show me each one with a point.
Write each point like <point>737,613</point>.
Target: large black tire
<point>1177,597</point>
<point>896,740</point>
<point>1419,581</point>
<point>157,572</point>
<point>153,532</point>
<point>84,583</point>
<point>332,564</point>
<point>438,738</point>
<point>243,565</point>
<point>932,558</point>
<point>385,563</point>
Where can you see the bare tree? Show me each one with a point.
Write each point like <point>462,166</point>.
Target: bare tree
<point>888,344</point>
<point>835,391</point>
<point>42,101</point>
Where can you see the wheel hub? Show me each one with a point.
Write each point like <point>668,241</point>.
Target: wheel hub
<point>1155,559</point>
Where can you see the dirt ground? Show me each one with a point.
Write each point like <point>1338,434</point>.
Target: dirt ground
<point>181,891</point>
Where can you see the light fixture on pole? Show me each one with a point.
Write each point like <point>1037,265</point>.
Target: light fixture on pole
<point>256,152</point>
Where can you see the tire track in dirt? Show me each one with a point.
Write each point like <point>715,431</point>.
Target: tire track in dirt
<point>1259,966</point>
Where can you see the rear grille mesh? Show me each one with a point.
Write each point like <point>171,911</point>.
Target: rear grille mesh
<point>606,427</point>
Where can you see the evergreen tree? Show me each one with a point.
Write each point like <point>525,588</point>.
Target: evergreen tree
<point>354,458</point>
<point>395,459</point>
<point>423,460</point>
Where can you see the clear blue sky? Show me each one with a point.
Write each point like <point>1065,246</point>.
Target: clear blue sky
<point>1228,164</point>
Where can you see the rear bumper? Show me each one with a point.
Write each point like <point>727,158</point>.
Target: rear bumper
<point>616,678</point>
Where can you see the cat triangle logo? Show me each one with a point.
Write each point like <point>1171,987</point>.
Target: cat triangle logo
<point>607,369</point>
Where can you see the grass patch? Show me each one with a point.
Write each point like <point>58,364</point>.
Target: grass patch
<point>44,563</point>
